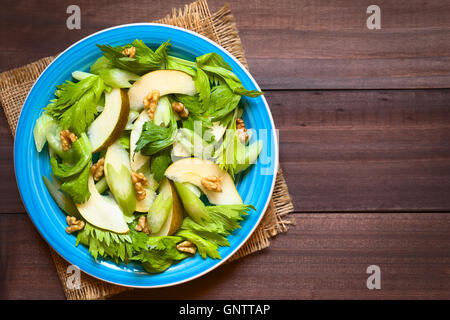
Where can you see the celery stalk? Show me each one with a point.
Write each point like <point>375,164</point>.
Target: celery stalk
<point>80,75</point>
<point>55,147</point>
<point>118,78</point>
<point>249,156</point>
<point>194,207</point>
<point>44,124</point>
<point>101,185</point>
<point>162,113</point>
<point>64,202</point>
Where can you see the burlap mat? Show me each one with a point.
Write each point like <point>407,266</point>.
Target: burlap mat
<point>219,27</point>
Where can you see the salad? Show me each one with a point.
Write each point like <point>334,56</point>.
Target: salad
<point>144,149</point>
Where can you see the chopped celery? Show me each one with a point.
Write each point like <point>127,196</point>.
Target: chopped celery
<point>118,78</point>
<point>64,202</point>
<point>83,152</point>
<point>131,118</point>
<point>80,75</point>
<point>118,177</point>
<point>162,113</point>
<point>159,211</point>
<point>55,147</point>
<point>193,188</point>
<point>101,185</point>
<point>249,156</point>
<point>194,207</point>
<point>44,124</point>
<point>194,144</point>
<point>121,186</point>
<point>179,151</point>
<point>218,130</point>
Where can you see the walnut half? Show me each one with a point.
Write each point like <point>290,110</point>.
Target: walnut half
<point>98,168</point>
<point>150,103</point>
<point>187,247</point>
<point>67,138</point>
<point>74,224</point>
<point>139,180</point>
<point>241,130</point>
<point>180,108</point>
<point>142,225</point>
<point>212,183</point>
<point>129,52</point>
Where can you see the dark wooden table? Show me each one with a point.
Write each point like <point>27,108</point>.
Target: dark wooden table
<point>364,119</point>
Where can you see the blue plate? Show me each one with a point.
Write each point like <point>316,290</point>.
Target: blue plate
<point>255,185</point>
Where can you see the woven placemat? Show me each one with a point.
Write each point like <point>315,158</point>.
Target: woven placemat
<point>219,27</point>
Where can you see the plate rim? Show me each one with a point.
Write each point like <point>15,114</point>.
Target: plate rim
<point>275,146</point>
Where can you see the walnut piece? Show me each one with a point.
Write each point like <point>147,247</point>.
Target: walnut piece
<point>187,247</point>
<point>142,225</point>
<point>241,130</point>
<point>150,102</point>
<point>212,183</point>
<point>74,224</point>
<point>98,168</point>
<point>129,52</point>
<point>67,138</point>
<point>139,180</point>
<point>179,108</point>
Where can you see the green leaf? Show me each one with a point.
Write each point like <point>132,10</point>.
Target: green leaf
<point>144,61</point>
<point>100,64</point>
<point>192,103</point>
<point>208,236</point>
<point>211,231</point>
<point>160,163</point>
<point>194,122</point>
<point>174,63</point>
<point>145,55</point>
<point>203,87</point>
<point>205,247</point>
<point>76,103</point>
<point>154,138</point>
<point>77,186</point>
<point>124,141</point>
<point>212,59</point>
<point>215,66</point>
<point>107,244</point>
<point>223,101</point>
<point>232,81</point>
<point>117,59</point>
<point>160,253</point>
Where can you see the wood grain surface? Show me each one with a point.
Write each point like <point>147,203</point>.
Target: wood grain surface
<point>289,44</point>
<point>364,120</point>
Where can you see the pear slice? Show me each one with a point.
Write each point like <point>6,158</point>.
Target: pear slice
<point>137,160</point>
<point>118,177</point>
<point>102,212</point>
<point>192,170</point>
<point>109,125</point>
<point>166,213</point>
<point>165,81</point>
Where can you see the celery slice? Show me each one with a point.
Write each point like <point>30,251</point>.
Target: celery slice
<point>44,124</point>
